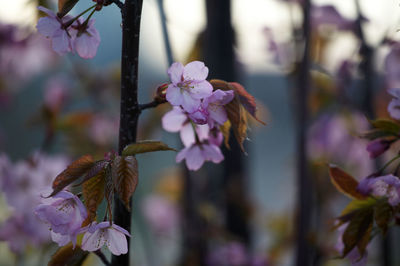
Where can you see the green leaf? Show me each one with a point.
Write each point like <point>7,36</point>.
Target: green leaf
<point>145,146</point>
<point>383,214</point>
<point>386,126</point>
<point>64,6</point>
<point>125,177</point>
<point>358,231</point>
<point>74,171</point>
<point>68,256</point>
<point>344,182</point>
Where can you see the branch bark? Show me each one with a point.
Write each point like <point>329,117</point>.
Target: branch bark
<point>305,189</point>
<point>130,110</point>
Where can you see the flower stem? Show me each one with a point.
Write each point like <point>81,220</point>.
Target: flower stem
<point>69,23</point>
<point>388,163</point>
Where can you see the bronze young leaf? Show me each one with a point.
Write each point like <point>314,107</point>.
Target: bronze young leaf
<point>125,177</point>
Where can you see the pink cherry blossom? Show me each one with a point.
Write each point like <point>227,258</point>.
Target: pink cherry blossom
<point>199,153</point>
<point>188,85</point>
<point>215,107</point>
<point>100,234</point>
<point>52,27</point>
<point>161,213</point>
<point>87,39</point>
<point>382,186</point>
<point>65,214</point>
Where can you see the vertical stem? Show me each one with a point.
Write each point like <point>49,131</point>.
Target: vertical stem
<point>303,248</point>
<point>131,16</point>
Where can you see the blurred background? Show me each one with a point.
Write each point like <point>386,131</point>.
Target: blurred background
<point>248,210</point>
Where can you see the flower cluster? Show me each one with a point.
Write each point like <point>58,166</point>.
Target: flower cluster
<point>69,34</point>
<point>65,214</point>
<point>197,113</point>
<point>382,186</point>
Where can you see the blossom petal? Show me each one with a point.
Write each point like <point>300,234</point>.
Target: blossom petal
<point>202,132</point>
<point>86,45</point>
<point>173,120</point>
<point>194,158</point>
<point>60,239</point>
<point>212,153</point>
<point>174,95</point>
<point>182,155</point>
<point>187,135</point>
<point>48,26</point>
<point>95,241</point>
<point>195,70</point>
<point>61,42</point>
<point>117,242</point>
<point>201,89</point>
<point>175,72</point>
<point>189,104</point>
<point>47,11</point>
<point>218,114</point>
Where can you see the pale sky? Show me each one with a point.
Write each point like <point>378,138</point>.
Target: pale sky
<point>186,19</point>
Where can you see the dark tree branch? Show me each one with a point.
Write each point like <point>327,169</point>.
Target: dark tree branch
<point>129,114</point>
<point>102,257</point>
<point>305,190</point>
<point>152,104</point>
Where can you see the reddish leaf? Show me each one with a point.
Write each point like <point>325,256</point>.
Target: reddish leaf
<point>64,6</point>
<point>345,183</point>
<point>247,100</point>
<point>383,214</point>
<point>226,132</point>
<point>125,177</point>
<point>93,193</point>
<point>74,171</point>
<point>96,169</point>
<point>358,231</point>
<point>68,256</point>
<point>145,146</point>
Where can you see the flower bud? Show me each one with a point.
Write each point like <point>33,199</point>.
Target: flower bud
<point>377,147</point>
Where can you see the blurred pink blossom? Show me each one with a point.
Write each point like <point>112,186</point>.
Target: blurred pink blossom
<point>162,215</point>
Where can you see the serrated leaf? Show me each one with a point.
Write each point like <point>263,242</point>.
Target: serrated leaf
<point>226,132</point>
<point>345,183</point>
<point>145,146</point>
<point>383,214</point>
<point>68,256</point>
<point>358,230</point>
<point>96,169</point>
<point>247,100</point>
<point>93,193</point>
<point>74,171</point>
<point>125,177</point>
<point>386,125</point>
<point>64,6</point>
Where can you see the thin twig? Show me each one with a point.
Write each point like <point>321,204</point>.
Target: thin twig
<point>102,257</point>
<point>118,3</point>
<point>152,104</point>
